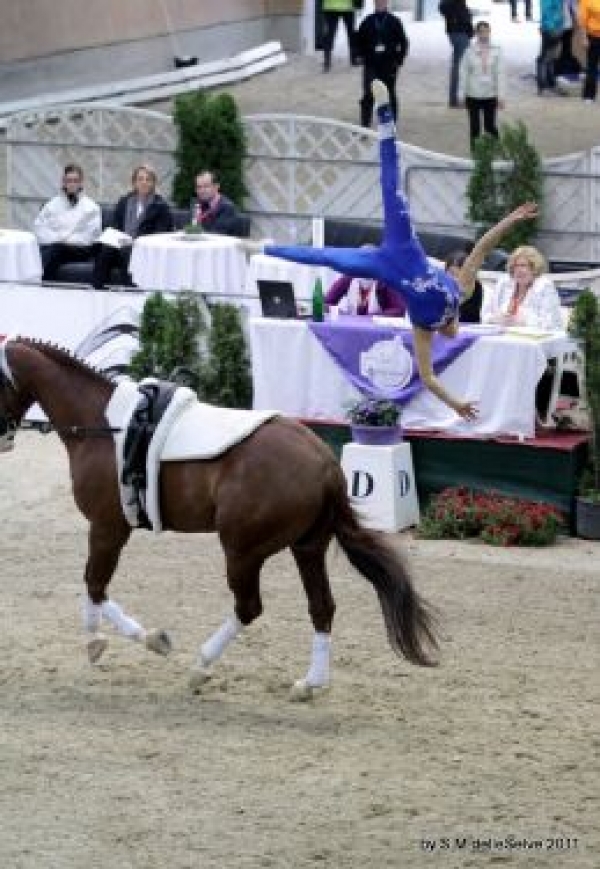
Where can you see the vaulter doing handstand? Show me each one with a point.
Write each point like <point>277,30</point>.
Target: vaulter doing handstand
<point>431,295</point>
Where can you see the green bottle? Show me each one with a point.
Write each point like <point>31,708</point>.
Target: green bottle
<point>318,302</point>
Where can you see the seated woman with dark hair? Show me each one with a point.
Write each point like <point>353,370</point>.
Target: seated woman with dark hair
<point>364,296</point>
<point>470,307</point>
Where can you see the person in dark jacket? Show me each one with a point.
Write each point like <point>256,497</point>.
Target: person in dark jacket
<point>459,27</point>
<point>470,307</point>
<point>141,212</point>
<point>215,212</point>
<point>381,45</point>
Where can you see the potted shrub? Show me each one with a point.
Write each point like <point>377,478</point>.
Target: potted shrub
<point>171,334</point>
<point>210,136</point>
<point>584,325</point>
<point>375,421</point>
<point>506,172</point>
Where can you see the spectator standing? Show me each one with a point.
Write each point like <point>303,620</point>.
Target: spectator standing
<point>589,21</point>
<point>459,27</point>
<point>333,10</point>
<point>552,26</point>
<point>68,225</point>
<point>481,82</point>
<point>213,211</point>
<point>381,46</point>
<point>142,211</point>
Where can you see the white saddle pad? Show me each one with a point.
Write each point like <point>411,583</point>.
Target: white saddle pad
<point>203,431</point>
<point>188,431</point>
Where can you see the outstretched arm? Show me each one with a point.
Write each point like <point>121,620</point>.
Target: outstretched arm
<point>468,272</point>
<point>422,343</point>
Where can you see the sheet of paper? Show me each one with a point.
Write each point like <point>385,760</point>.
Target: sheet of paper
<point>115,238</point>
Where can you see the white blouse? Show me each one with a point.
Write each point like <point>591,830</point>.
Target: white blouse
<point>540,308</point>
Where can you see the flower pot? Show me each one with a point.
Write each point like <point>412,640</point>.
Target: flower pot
<point>587,518</point>
<point>377,435</point>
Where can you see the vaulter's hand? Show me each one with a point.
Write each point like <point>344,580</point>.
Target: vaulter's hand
<point>526,211</point>
<point>468,410</point>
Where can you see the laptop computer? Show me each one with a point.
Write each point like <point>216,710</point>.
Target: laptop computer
<point>277,299</point>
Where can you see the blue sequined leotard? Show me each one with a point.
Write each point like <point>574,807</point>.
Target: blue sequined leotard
<point>431,294</point>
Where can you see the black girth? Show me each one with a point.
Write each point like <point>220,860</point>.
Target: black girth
<point>143,424</point>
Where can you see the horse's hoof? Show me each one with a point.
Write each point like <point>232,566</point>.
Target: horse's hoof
<point>199,676</point>
<point>96,648</point>
<point>302,691</point>
<point>159,642</point>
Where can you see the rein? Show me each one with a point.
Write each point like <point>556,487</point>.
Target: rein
<point>75,431</point>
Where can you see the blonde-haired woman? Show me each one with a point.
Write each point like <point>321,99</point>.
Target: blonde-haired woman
<point>526,296</point>
<point>142,211</point>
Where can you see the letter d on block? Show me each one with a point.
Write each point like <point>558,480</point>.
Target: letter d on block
<point>403,483</point>
<point>362,484</point>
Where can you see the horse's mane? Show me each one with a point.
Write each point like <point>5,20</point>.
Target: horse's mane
<point>65,357</point>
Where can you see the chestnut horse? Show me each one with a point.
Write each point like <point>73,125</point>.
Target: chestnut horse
<point>302,504</point>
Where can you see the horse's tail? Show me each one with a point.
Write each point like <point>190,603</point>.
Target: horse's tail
<point>409,620</point>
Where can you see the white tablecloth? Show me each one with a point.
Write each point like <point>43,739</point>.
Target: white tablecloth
<point>292,373</point>
<point>212,264</point>
<point>302,277</point>
<point>19,256</point>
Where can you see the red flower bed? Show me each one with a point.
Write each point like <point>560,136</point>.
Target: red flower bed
<point>461,513</point>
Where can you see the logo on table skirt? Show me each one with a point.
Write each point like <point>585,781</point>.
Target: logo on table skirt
<point>387,364</point>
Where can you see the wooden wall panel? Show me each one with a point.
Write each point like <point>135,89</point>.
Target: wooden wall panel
<point>37,28</point>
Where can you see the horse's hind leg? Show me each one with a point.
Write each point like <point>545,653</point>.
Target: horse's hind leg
<point>310,558</point>
<point>243,578</point>
<point>105,547</point>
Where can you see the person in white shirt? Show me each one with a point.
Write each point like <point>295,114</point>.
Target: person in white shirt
<point>67,226</point>
<point>481,82</point>
<point>525,296</point>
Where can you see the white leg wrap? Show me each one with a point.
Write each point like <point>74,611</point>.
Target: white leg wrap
<point>121,622</point>
<point>214,647</point>
<point>318,674</point>
<point>92,615</point>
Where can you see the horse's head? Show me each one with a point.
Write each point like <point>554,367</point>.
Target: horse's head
<point>11,411</point>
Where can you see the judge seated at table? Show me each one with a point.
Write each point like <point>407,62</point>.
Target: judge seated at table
<point>141,212</point>
<point>364,296</point>
<point>211,209</point>
<point>68,225</point>
<point>525,296</point>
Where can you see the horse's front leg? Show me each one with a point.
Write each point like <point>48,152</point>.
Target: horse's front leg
<point>105,545</point>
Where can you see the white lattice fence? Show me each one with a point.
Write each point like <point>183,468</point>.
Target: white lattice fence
<point>107,141</point>
<point>297,167</point>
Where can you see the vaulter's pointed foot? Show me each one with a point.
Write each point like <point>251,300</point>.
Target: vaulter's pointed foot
<point>380,93</point>
<point>96,648</point>
<point>158,642</point>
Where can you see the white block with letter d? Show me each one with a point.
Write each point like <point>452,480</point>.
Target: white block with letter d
<point>381,485</point>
